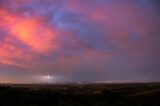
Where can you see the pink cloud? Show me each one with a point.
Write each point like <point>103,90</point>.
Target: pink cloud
<point>101,37</point>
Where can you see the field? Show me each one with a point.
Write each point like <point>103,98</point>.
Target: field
<point>133,94</point>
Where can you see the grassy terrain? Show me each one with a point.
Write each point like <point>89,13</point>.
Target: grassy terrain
<point>140,94</point>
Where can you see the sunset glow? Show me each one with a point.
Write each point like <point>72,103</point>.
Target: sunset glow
<point>80,40</point>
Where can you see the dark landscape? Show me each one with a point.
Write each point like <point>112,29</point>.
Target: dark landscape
<point>130,94</point>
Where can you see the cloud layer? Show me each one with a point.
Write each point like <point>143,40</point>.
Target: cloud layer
<point>89,40</point>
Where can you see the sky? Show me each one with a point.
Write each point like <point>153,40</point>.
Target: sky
<point>79,40</point>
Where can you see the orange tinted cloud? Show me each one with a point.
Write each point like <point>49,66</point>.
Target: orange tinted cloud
<point>10,54</point>
<point>23,38</point>
<point>6,17</point>
<point>31,32</point>
<point>34,34</point>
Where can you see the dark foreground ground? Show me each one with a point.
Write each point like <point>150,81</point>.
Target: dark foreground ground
<point>137,94</point>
